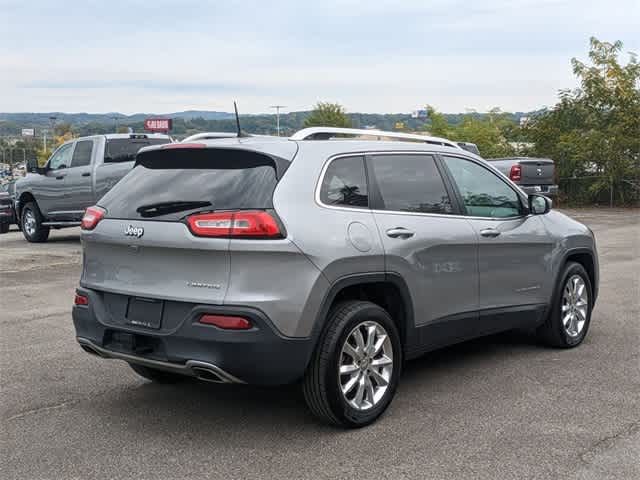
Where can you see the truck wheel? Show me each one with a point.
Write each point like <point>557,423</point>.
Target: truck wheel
<point>568,321</point>
<point>4,227</point>
<point>354,372</point>
<point>32,227</point>
<point>155,375</point>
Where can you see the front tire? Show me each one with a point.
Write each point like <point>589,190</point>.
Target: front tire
<point>31,221</point>
<point>4,227</point>
<point>568,321</point>
<point>354,371</point>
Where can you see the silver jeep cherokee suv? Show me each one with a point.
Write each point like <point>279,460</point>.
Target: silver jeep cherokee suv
<point>269,260</point>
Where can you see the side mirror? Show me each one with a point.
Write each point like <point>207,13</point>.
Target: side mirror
<point>539,204</point>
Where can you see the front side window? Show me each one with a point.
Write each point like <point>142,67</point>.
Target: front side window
<point>345,183</point>
<point>62,157</point>
<point>410,183</point>
<point>82,153</point>
<point>483,193</point>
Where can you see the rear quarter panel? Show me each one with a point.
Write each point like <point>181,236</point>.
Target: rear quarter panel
<point>339,242</point>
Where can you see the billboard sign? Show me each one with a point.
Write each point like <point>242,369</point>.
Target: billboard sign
<point>28,132</point>
<point>158,124</point>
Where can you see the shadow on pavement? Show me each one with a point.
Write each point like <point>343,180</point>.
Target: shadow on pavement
<point>269,411</point>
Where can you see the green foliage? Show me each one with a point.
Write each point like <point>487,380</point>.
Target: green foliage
<point>328,115</point>
<point>594,130</point>
<point>491,132</point>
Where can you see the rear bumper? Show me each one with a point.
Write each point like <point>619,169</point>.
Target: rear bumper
<point>257,356</point>
<point>549,190</point>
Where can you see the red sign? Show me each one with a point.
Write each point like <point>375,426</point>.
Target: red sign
<point>158,124</point>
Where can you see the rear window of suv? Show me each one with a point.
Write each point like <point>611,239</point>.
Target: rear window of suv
<point>171,184</point>
<point>125,149</point>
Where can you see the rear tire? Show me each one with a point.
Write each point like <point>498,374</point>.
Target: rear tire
<point>568,321</point>
<point>4,227</point>
<point>31,221</point>
<point>155,375</point>
<point>354,371</point>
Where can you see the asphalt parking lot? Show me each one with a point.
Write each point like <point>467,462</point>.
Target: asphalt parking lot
<point>499,407</point>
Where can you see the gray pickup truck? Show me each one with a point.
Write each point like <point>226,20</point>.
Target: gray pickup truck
<point>76,176</point>
<point>532,175</point>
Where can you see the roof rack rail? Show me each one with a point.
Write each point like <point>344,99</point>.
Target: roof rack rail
<point>325,133</point>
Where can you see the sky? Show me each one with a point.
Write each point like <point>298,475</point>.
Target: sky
<point>377,56</point>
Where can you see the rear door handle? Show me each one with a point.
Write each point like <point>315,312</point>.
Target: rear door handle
<point>399,232</point>
<point>60,177</point>
<point>489,232</point>
<point>86,174</point>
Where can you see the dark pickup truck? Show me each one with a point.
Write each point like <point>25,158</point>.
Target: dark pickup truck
<point>7,211</point>
<point>532,175</point>
<point>75,177</point>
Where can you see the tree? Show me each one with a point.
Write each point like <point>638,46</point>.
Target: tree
<point>488,132</point>
<point>327,114</point>
<point>595,129</point>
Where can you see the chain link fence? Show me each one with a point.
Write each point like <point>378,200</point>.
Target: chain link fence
<point>597,190</point>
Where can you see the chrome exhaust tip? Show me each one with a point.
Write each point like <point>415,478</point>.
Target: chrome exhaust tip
<point>207,375</point>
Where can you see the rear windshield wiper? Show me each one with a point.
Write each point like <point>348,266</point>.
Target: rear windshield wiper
<point>163,208</point>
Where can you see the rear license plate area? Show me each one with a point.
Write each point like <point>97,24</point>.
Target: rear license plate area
<point>145,312</point>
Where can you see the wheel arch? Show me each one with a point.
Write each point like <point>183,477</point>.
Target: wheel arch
<point>388,290</point>
<point>25,197</point>
<point>586,258</point>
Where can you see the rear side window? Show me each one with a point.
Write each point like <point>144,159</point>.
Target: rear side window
<point>170,184</point>
<point>345,183</point>
<point>125,149</point>
<point>82,153</point>
<point>410,183</point>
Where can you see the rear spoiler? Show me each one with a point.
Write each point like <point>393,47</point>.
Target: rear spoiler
<point>202,156</point>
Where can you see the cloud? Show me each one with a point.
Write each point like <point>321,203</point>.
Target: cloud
<point>387,56</point>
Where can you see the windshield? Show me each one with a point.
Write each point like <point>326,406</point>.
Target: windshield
<point>125,149</point>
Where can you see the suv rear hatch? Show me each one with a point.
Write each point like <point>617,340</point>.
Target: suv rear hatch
<point>147,244</point>
<point>536,171</point>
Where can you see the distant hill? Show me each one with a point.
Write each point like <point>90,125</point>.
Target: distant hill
<point>193,121</point>
<point>35,119</point>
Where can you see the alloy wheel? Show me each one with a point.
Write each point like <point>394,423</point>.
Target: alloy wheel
<point>366,365</point>
<point>575,306</point>
<point>29,222</point>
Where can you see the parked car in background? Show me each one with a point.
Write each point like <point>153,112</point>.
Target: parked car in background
<point>469,147</point>
<point>7,210</point>
<point>271,260</point>
<point>532,175</point>
<point>76,176</point>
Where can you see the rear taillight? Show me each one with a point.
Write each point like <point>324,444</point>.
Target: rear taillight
<point>226,322</point>
<point>249,224</point>
<point>81,300</point>
<point>92,216</point>
<point>515,174</point>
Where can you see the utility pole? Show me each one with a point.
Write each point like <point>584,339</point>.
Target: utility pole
<point>278,107</point>
<point>115,124</point>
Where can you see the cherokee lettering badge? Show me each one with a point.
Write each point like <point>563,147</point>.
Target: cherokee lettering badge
<point>132,231</point>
